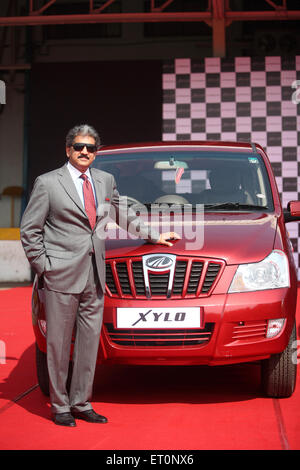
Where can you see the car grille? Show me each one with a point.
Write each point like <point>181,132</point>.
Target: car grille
<point>159,337</point>
<point>193,277</point>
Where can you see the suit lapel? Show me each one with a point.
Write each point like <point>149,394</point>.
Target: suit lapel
<point>66,181</point>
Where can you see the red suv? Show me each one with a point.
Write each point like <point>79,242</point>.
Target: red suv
<point>225,292</point>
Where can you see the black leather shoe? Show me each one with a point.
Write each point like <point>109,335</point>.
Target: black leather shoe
<point>64,419</point>
<point>90,416</point>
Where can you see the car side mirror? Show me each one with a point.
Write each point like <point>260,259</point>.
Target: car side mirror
<point>292,213</point>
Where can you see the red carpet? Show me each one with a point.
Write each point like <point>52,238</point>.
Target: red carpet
<point>173,408</point>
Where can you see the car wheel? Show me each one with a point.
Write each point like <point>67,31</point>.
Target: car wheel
<point>42,371</point>
<point>279,371</point>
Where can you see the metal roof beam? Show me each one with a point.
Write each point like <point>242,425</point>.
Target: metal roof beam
<point>100,9</point>
<point>42,9</point>
<point>216,11</point>
<point>104,18</point>
<point>218,29</point>
<point>275,6</point>
<point>153,8</point>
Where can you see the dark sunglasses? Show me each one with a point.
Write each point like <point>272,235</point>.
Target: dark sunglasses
<point>78,147</point>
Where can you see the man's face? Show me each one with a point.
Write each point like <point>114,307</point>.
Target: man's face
<point>82,159</point>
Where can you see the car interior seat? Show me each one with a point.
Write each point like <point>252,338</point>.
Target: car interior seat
<point>225,186</point>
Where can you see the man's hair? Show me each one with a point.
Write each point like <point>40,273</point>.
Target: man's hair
<point>84,130</point>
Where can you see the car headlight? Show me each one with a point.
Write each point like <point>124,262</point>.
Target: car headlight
<point>270,273</point>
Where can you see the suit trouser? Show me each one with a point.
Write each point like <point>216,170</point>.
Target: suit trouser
<point>63,312</point>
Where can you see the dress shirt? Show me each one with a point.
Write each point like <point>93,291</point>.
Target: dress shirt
<point>75,175</point>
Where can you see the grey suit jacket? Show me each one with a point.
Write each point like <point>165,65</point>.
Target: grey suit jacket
<point>56,234</point>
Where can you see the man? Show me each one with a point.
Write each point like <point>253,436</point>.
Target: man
<point>59,236</point>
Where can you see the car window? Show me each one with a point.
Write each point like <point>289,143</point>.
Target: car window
<point>191,177</point>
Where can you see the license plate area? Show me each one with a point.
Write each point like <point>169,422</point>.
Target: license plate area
<point>152,318</point>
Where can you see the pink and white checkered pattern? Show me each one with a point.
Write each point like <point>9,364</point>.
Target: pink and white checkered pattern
<point>240,99</point>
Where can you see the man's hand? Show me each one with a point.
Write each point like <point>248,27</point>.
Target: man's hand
<point>168,236</point>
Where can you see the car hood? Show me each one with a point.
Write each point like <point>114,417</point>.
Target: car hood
<point>234,237</point>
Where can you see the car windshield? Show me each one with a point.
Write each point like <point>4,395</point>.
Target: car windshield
<point>218,179</point>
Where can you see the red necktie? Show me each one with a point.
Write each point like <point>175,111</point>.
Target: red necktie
<point>89,200</point>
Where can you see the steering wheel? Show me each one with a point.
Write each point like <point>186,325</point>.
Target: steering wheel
<point>171,199</point>
<point>131,200</point>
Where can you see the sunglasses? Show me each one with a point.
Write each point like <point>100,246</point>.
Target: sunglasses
<point>78,147</point>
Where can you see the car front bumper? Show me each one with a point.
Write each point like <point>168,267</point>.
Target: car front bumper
<point>236,327</point>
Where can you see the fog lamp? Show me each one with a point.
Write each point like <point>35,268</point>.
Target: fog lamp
<point>275,327</point>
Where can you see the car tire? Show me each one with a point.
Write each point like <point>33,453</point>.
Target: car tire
<point>279,371</point>
<point>42,371</point>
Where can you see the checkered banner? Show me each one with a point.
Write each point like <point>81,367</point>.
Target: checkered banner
<point>253,99</point>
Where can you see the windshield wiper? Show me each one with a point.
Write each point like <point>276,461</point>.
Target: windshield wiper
<point>180,206</point>
<point>234,205</point>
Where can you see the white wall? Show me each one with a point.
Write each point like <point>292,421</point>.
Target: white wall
<point>11,146</point>
<point>13,263</point>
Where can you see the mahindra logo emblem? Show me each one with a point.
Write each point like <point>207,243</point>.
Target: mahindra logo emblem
<point>156,264</point>
<point>159,262</point>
